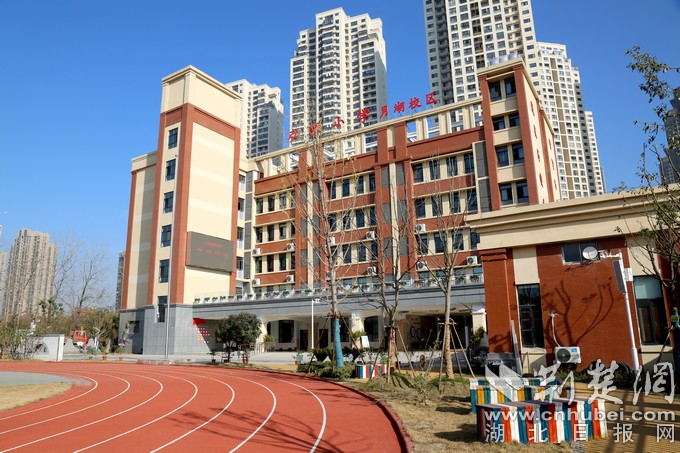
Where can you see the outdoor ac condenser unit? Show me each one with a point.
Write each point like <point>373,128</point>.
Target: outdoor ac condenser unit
<point>370,235</point>
<point>421,228</point>
<point>568,354</point>
<point>290,278</point>
<point>290,246</point>
<point>421,266</point>
<point>371,270</point>
<point>471,260</point>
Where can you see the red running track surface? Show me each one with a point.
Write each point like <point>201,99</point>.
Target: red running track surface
<point>128,408</point>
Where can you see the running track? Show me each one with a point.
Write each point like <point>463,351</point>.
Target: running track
<point>126,407</point>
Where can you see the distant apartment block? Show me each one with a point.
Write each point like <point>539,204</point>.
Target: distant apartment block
<point>463,37</point>
<point>31,270</point>
<point>670,164</point>
<point>119,279</point>
<point>261,118</point>
<point>558,81</point>
<point>338,70</point>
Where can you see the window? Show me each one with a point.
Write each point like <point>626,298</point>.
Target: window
<point>506,194</point>
<point>282,261</point>
<point>438,244</point>
<point>510,87</point>
<point>346,254</point>
<point>283,200</point>
<point>361,252</point>
<point>374,250</point>
<point>270,232</point>
<point>498,123</point>
<point>371,328</point>
<point>258,265</point>
<point>282,231</point>
<point>573,252</point>
<point>258,235</point>
<point>345,187</point>
<point>371,216</point>
<point>650,310</point>
<point>517,153</point>
<point>455,205</point>
<point>168,201</point>
<point>457,237</point>
<point>469,163</point>
<point>522,192</point>
<point>239,263</point>
<point>286,331</point>
<point>170,169</point>
<point>163,271</point>
<point>360,185</point>
<point>513,120</point>
<point>172,138</point>
<point>422,244</point>
<point>530,316</point>
<point>259,205</point>
<point>502,156</point>
<point>434,170</point>
<point>346,221</point>
<point>331,190</point>
<point>436,205</point>
<point>360,218</point>
<point>332,222</point>
<point>166,235</point>
<point>418,173</point>
<point>161,308</point>
<point>451,166</point>
<point>495,90</point>
<point>270,263</point>
<point>472,201</point>
<point>420,207</point>
<point>371,182</point>
<point>474,240</point>
<point>292,261</point>
<point>270,203</point>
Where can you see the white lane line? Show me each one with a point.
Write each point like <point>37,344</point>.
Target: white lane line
<point>323,407</point>
<point>261,424</point>
<point>164,415</point>
<point>233,396</point>
<point>101,419</point>
<point>96,384</point>
<point>72,412</point>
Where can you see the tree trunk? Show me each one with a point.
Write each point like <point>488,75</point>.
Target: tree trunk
<point>338,346</point>
<point>446,346</point>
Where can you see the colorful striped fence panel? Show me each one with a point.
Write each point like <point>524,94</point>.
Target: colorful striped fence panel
<point>366,371</point>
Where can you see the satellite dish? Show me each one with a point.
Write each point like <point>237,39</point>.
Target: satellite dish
<point>589,253</point>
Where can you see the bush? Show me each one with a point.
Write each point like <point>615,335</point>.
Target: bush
<point>342,372</point>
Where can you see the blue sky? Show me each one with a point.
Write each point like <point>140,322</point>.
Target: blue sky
<point>81,85</point>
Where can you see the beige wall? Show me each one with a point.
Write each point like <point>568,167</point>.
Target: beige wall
<point>189,85</point>
<point>525,264</point>
<point>137,263</point>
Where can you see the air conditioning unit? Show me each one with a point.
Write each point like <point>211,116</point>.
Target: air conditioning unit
<point>472,261</point>
<point>370,235</point>
<point>290,278</point>
<point>421,228</point>
<point>328,276</point>
<point>421,266</point>
<point>290,246</point>
<point>257,251</point>
<point>332,241</point>
<point>568,354</point>
<point>256,281</point>
<point>371,270</point>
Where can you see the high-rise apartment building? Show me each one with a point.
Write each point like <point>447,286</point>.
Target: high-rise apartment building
<point>558,82</point>
<point>261,118</point>
<point>338,70</point>
<point>670,164</point>
<point>30,272</point>
<point>464,36</point>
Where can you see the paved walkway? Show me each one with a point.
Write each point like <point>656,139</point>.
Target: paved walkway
<point>9,378</point>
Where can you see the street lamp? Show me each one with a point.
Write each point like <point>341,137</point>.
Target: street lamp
<point>314,301</point>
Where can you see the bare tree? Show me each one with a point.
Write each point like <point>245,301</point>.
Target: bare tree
<point>324,188</point>
<point>393,268</point>
<point>442,261</point>
<point>83,278</point>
